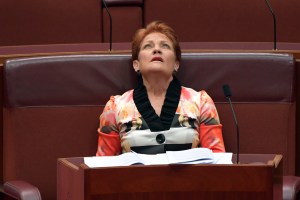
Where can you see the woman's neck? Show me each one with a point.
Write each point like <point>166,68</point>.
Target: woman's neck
<point>156,91</point>
<point>157,87</point>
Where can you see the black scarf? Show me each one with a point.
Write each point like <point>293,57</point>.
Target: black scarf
<point>155,122</point>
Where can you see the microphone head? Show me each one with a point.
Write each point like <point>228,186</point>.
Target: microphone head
<point>226,90</point>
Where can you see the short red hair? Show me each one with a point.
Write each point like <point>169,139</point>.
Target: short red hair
<point>159,27</point>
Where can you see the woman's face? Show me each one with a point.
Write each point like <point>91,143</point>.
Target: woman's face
<point>156,56</point>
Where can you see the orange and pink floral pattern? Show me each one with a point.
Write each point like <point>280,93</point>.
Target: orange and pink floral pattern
<point>195,111</point>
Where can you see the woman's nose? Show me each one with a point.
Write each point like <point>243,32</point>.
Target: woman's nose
<point>156,50</point>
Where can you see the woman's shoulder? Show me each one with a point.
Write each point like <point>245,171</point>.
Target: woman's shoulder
<point>186,91</point>
<point>190,94</point>
<point>125,97</point>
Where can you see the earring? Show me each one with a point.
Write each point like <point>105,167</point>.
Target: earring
<point>175,72</point>
<point>139,77</point>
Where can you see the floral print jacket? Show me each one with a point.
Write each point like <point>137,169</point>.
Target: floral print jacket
<point>188,119</point>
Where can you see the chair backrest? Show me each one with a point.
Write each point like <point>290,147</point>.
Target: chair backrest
<point>52,105</point>
<point>205,20</point>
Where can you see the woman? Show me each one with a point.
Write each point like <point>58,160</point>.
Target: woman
<point>159,114</point>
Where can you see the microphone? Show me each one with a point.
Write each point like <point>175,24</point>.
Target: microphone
<point>110,25</point>
<point>274,22</point>
<point>227,93</point>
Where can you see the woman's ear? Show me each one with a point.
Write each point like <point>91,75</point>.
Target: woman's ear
<point>136,65</point>
<point>176,67</point>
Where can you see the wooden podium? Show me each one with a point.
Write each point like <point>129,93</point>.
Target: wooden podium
<point>259,176</point>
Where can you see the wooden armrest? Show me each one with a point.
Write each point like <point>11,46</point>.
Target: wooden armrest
<point>21,190</point>
<point>291,186</point>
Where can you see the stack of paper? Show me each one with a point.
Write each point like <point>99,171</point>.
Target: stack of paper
<point>190,156</point>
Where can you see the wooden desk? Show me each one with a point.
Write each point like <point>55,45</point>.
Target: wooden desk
<point>257,177</point>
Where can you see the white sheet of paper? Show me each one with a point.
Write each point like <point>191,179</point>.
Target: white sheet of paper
<point>157,159</point>
<point>125,159</point>
<point>222,158</point>
<point>195,154</point>
<point>190,156</point>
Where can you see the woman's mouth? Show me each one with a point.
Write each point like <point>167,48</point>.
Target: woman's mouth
<point>157,59</point>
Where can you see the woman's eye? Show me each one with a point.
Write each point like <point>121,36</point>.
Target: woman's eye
<point>166,46</point>
<point>147,46</point>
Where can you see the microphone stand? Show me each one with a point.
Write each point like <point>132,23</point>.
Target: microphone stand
<point>274,23</point>
<point>237,130</point>
<point>227,93</point>
<point>110,25</point>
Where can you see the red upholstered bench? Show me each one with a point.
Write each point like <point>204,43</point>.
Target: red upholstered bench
<point>52,105</point>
